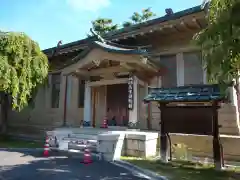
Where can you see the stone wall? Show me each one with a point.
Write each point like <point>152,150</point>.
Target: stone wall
<point>41,117</point>
<point>127,143</point>
<point>201,146</point>
<point>227,119</point>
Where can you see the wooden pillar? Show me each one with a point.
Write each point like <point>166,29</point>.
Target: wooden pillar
<point>149,119</point>
<point>217,149</point>
<point>163,135</point>
<point>134,107</point>
<point>87,104</point>
<point>65,103</point>
<point>94,107</point>
<point>180,69</point>
<point>148,110</point>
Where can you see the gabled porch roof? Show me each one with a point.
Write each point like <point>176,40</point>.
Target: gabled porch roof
<point>101,58</point>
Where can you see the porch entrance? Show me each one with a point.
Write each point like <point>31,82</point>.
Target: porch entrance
<point>117,104</point>
<point>111,102</point>
<point>105,64</point>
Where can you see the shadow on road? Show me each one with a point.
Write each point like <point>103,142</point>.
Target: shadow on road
<point>31,165</point>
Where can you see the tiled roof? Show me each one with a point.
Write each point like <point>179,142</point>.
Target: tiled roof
<point>132,28</point>
<point>194,93</point>
<point>109,47</point>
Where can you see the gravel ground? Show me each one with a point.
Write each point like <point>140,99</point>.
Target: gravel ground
<point>24,166</point>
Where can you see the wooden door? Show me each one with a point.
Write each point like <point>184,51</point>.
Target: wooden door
<point>98,105</point>
<point>117,104</point>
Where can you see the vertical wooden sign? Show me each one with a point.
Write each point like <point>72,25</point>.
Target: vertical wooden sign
<point>130,92</point>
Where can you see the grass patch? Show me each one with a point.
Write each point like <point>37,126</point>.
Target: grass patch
<point>8,142</point>
<point>185,170</point>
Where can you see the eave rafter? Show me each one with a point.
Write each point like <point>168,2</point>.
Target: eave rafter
<point>144,70</point>
<point>101,71</point>
<point>186,23</point>
<point>196,23</point>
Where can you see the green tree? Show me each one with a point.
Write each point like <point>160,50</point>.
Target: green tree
<point>220,41</point>
<point>103,26</point>
<point>136,18</point>
<point>23,67</point>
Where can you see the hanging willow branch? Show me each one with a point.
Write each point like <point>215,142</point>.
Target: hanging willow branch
<point>23,67</point>
<point>220,45</point>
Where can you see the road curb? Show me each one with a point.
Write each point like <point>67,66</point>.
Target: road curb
<point>22,149</point>
<point>132,167</point>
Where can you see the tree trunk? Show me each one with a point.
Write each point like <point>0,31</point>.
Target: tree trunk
<point>4,113</point>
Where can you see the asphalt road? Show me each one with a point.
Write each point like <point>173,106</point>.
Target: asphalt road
<point>22,166</point>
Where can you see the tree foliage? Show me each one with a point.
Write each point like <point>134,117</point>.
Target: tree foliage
<point>220,41</point>
<point>23,66</point>
<point>103,25</point>
<point>136,18</point>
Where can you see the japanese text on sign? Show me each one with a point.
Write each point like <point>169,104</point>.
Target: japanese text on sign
<point>130,93</point>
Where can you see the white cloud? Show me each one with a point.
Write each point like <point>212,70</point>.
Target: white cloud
<point>88,5</point>
<point>4,29</point>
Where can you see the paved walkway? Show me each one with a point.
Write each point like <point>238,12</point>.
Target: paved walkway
<point>22,166</point>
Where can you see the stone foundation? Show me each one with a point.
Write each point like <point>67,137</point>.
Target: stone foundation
<point>111,143</point>
<point>140,145</point>
<point>116,143</point>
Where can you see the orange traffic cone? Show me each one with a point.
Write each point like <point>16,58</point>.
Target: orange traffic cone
<point>46,148</point>
<point>87,159</point>
<point>105,124</point>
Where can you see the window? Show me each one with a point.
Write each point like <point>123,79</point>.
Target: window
<point>33,98</point>
<point>81,93</point>
<point>31,102</point>
<point>56,81</point>
<point>169,79</point>
<point>69,90</point>
<point>193,68</point>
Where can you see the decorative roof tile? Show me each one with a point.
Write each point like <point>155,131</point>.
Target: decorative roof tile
<point>118,49</point>
<point>194,93</point>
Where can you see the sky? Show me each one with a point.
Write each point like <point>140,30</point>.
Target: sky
<point>48,21</point>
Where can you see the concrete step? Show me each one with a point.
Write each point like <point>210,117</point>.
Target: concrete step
<point>79,142</point>
<point>85,130</point>
<point>79,154</point>
<point>80,147</point>
<point>84,136</point>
